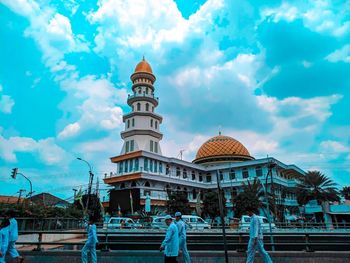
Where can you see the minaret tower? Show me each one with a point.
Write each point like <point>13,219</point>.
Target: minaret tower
<point>142,123</point>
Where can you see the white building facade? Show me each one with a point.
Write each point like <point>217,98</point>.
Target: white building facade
<point>142,170</point>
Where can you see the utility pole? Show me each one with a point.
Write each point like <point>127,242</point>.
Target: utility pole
<point>221,208</point>
<point>20,195</point>
<point>91,178</point>
<point>270,166</point>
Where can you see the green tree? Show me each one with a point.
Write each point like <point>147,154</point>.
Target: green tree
<point>211,204</point>
<point>316,186</point>
<point>178,201</point>
<point>345,192</point>
<point>253,195</point>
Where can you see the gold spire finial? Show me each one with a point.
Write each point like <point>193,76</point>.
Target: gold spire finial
<point>219,129</point>
<point>143,58</point>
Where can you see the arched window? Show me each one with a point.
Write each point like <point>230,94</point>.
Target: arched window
<point>139,91</point>
<point>152,109</point>
<point>151,122</point>
<point>132,108</point>
<point>138,106</point>
<point>133,122</point>
<point>133,184</point>
<point>194,193</point>
<point>178,188</point>
<point>178,172</point>
<point>167,169</point>
<point>147,184</point>
<point>147,107</point>
<point>156,124</point>
<point>184,174</point>
<point>146,90</point>
<point>128,124</point>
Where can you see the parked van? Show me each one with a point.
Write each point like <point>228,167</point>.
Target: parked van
<point>244,223</point>
<point>195,222</point>
<point>158,222</point>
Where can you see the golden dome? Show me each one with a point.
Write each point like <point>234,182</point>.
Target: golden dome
<point>222,149</point>
<point>143,66</point>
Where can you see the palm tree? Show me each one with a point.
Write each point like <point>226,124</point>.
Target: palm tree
<point>346,192</point>
<point>316,186</point>
<point>253,195</point>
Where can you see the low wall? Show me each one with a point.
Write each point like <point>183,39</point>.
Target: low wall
<point>196,256</point>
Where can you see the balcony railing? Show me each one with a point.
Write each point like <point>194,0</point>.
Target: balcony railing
<point>142,95</point>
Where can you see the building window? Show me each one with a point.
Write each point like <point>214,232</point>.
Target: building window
<point>133,184</point>
<point>137,164</point>
<point>146,90</point>
<point>131,164</point>
<point>155,166</point>
<point>151,122</point>
<point>151,165</point>
<point>245,173</point>
<point>127,147</point>
<point>156,125</point>
<point>258,171</point>
<point>138,106</point>
<point>139,90</point>
<point>151,145</point>
<point>156,147</point>
<point>184,174</point>
<point>208,177</point>
<point>200,178</point>
<point>131,145</point>
<point>132,108</point>
<point>122,185</point>
<point>126,166</point>
<point>194,193</point>
<point>133,122</point>
<point>167,169</point>
<point>147,184</point>
<point>147,107</point>
<point>178,173</point>
<point>232,174</point>
<point>128,124</point>
<point>145,164</point>
<point>120,167</point>
<point>221,175</point>
<point>152,109</point>
<point>193,174</point>
<point>160,167</point>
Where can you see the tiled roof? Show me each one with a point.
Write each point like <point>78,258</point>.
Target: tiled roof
<point>221,146</point>
<point>5,199</point>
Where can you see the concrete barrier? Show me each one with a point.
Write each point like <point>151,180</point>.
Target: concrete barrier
<point>197,257</point>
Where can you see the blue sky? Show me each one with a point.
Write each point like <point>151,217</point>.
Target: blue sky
<point>272,74</point>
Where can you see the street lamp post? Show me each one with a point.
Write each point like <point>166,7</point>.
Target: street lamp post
<point>91,178</point>
<point>14,175</point>
<point>222,215</point>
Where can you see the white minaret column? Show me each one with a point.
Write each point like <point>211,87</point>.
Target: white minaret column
<point>142,123</point>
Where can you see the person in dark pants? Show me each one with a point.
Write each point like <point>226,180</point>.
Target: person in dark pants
<point>170,245</point>
<point>90,244</point>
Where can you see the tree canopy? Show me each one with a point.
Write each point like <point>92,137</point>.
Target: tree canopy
<point>178,201</point>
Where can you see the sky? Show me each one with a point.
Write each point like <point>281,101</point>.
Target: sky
<point>272,74</point>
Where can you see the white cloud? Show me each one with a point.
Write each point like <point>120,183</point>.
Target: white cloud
<point>69,131</point>
<point>319,16</point>
<point>46,149</point>
<point>342,54</point>
<point>6,102</point>
<point>51,30</point>
<point>333,147</point>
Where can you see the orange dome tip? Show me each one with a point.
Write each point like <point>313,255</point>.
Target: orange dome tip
<point>143,66</point>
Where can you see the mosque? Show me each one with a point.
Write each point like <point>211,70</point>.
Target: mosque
<point>143,172</point>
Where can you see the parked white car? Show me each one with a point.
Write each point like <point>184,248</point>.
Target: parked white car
<point>195,222</point>
<point>158,222</point>
<point>122,222</point>
<point>244,223</point>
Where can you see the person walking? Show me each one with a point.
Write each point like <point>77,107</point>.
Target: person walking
<point>170,244</point>
<point>256,238</point>
<point>181,226</point>
<point>13,236</point>
<point>90,244</point>
<point>4,239</point>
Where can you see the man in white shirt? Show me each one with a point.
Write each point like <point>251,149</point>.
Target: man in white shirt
<point>170,245</point>
<point>181,226</point>
<point>256,238</point>
<point>13,236</point>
